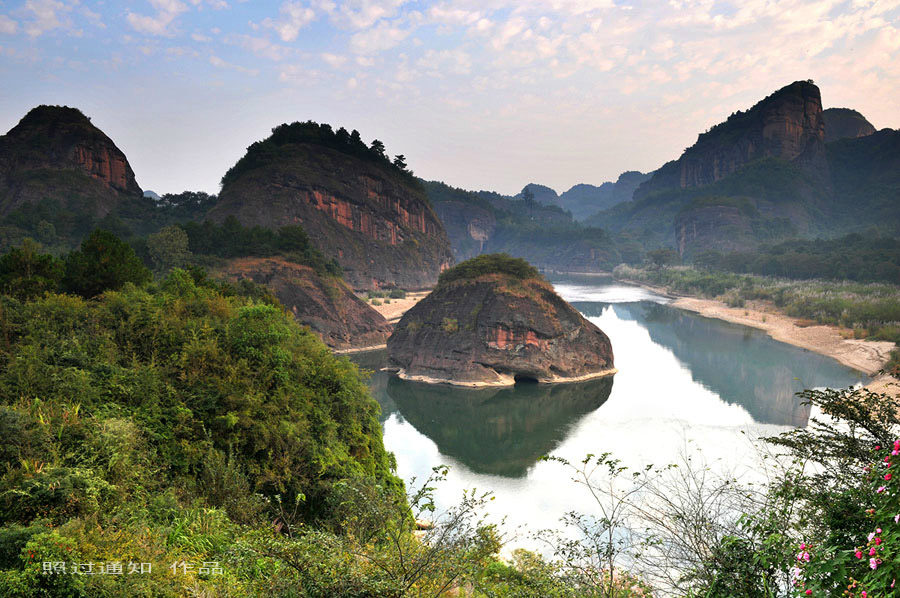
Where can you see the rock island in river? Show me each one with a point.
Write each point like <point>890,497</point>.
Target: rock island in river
<point>492,321</point>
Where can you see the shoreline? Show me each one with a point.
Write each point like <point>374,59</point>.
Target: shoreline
<point>505,381</point>
<point>865,356</point>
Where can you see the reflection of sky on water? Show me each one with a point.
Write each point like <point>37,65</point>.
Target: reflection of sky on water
<point>685,384</point>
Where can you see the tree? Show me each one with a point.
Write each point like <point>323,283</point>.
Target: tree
<point>104,263</point>
<point>400,161</point>
<point>27,274</point>
<point>169,248</point>
<point>663,257</point>
<point>378,147</point>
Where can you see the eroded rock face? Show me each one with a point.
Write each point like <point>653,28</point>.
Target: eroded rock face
<point>325,304</point>
<point>495,329</point>
<point>377,225</point>
<point>844,123</point>
<point>788,125</point>
<point>56,153</point>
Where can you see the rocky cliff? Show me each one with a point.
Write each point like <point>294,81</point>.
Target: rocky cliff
<point>356,206</point>
<point>844,123</point>
<point>491,321</point>
<point>56,153</point>
<point>787,125</point>
<point>325,304</point>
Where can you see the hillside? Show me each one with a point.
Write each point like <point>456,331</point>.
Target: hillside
<point>357,207</point>
<point>545,235</point>
<point>844,123</point>
<point>765,175</point>
<point>56,166</point>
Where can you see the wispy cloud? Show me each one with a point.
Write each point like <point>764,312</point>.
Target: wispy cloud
<point>159,24</point>
<point>293,17</point>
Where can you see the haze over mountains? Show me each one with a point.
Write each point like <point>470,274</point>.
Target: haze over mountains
<point>782,169</point>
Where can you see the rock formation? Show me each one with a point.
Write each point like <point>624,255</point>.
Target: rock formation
<point>492,321</point>
<point>56,153</point>
<point>369,215</point>
<point>325,304</point>
<point>844,123</point>
<point>788,125</point>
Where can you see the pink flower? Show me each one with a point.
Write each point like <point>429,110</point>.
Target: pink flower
<point>859,554</point>
<point>887,476</point>
<point>870,536</point>
<point>803,546</point>
<point>873,564</point>
<point>897,518</point>
<point>863,595</point>
<point>877,541</point>
<point>877,447</point>
<point>881,489</point>
<point>895,452</point>
<point>877,530</point>
<point>872,551</point>
<point>808,592</point>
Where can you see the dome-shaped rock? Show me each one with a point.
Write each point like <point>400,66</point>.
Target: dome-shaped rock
<point>493,320</point>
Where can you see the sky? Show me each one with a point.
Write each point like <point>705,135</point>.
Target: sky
<point>480,94</point>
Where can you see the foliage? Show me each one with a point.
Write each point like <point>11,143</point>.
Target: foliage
<point>27,274</point>
<point>169,248</point>
<point>264,152</point>
<point>104,263</point>
<point>231,239</point>
<point>870,258</point>
<point>494,263</point>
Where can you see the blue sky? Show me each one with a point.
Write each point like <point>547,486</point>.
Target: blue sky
<point>482,94</point>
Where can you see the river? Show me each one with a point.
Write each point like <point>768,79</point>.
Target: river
<point>687,386</point>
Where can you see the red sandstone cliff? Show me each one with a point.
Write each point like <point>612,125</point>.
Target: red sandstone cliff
<point>375,222</point>
<point>56,153</point>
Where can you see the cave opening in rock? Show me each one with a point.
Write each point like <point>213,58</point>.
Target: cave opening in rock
<point>525,379</point>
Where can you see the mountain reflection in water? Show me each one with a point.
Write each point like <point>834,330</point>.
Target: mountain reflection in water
<point>497,431</point>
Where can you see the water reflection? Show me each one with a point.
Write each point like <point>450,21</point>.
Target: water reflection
<point>742,365</point>
<point>496,431</point>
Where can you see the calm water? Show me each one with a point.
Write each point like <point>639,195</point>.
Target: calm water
<point>686,385</point>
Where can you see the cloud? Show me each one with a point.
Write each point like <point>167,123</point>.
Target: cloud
<point>294,16</point>
<point>377,39</point>
<point>219,63</point>
<point>47,16</point>
<point>363,14</point>
<point>166,12</point>
<point>7,25</point>
<point>334,60</point>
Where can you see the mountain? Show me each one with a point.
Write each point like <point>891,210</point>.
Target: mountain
<point>545,235</point>
<point>372,216</point>
<point>541,194</point>
<point>585,200</point>
<point>55,159</point>
<point>866,180</point>
<point>763,174</point>
<point>844,123</point>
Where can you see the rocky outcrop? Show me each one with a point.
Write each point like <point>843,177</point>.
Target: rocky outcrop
<point>788,125</point>
<point>325,304</point>
<point>56,153</point>
<point>374,220</point>
<point>844,123</point>
<point>492,321</point>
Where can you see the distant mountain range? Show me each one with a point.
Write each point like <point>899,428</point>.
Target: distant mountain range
<point>784,168</point>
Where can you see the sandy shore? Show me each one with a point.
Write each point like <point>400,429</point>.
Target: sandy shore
<point>394,310</point>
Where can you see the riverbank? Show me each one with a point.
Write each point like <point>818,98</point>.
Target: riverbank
<point>833,341</point>
<point>394,310</point>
